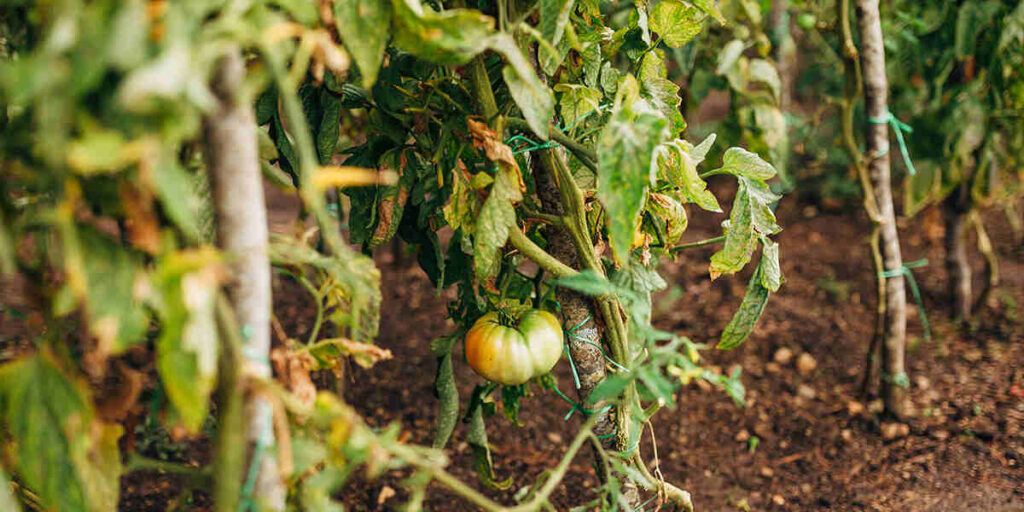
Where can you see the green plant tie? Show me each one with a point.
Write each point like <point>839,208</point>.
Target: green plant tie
<point>905,271</point>
<point>900,128</point>
<point>572,334</point>
<point>246,502</point>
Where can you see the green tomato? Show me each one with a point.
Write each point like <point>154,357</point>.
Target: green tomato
<point>806,20</point>
<point>512,355</point>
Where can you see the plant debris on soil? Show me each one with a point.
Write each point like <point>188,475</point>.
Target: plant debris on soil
<point>805,439</point>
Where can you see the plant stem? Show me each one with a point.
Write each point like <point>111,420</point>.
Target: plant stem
<point>197,477</point>
<point>700,243</point>
<point>876,89</point>
<point>533,251</point>
<point>231,151</point>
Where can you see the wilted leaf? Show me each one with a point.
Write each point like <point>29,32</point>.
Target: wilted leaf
<point>710,7</point>
<point>771,272</point>
<point>671,213</point>
<point>661,91</point>
<point>350,281</point>
<point>763,71</point>
<point>445,390</point>
<point>477,437</point>
<point>743,322</point>
<point>554,15</point>
<point>292,369</point>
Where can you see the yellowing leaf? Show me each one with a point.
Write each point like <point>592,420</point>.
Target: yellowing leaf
<point>345,176</point>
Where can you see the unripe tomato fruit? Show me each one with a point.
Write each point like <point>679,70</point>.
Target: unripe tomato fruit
<point>512,355</point>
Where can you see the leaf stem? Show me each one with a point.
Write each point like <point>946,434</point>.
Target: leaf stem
<point>699,243</point>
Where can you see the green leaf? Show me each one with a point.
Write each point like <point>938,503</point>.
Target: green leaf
<point>446,390</point>
<point>661,91</point>
<point>740,162</point>
<point>451,37</point>
<point>61,452</point>
<point>497,216</point>
<point>678,163</point>
<point>586,282</point>
<point>761,70</point>
<point>330,126</point>
<point>363,27</point>
<point>743,322</point>
<point>102,276</point>
<point>676,22</point>
<point>710,7</point>
<point>576,101</point>
<point>183,197</point>
<point>625,151</point>
<point>533,96</point>
<point>187,349</point>
<point>477,438</point>
<point>740,239</point>
<point>771,271</point>
<point>554,15</point>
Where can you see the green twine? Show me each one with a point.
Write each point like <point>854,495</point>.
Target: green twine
<point>900,128</point>
<point>572,334</point>
<point>250,479</point>
<point>905,271</point>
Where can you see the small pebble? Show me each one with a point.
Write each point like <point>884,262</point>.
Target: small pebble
<point>767,472</point>
<point>806,392</point>
<point>783,356</point>
<point>806,364</point>
<point>895,430</point>
<point>778,500</point>
<point>742,436</point>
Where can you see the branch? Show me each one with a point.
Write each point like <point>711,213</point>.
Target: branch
<point>533,251</point>
<point>700,243</point>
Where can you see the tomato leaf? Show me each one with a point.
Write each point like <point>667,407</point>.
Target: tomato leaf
<point>446,390</point>
<point>453,36</point>
<point>625,151</point>
<point>771,275</point>
<point>187,348</point>
<point>65,455</point>
<point>477,438</point>
<point>662,92</point>
<point>102,277</point>
<point>533,96</point>
<point>676,22</point>
<point>745,318</point>
<point>678,162</point>
<point>363,26</point>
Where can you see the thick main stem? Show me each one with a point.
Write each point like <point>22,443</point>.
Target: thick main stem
<point>958,264</point>
<point>233,161</point>
<point>876,135</point>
